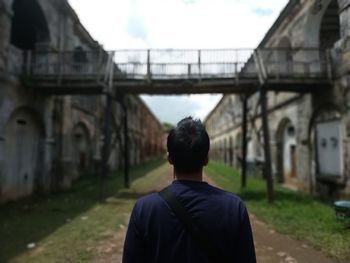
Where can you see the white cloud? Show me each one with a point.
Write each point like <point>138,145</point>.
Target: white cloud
<point>136,28</point>
<point>178,24</point>
<point>189,2</point>
<point>173,108</point>
<point>263,11</point>
<point>206,103</point>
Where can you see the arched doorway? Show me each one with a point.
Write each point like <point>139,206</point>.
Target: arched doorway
<point>322,26</point>
<point>231,151</point>
<point>286,152</point>
<point>222,151</point>
<point>329,29</point>
<point>330,26</point>
<point>23,158</point>
<point>251,150</point>
<point>81,149</point>
<point>29,25</point>
<point>238,150</point>
<point>225,151</point>
<point>284,57</point>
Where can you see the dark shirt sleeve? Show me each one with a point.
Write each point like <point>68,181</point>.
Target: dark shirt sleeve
<point>246,249</point>
<point>134,246</point>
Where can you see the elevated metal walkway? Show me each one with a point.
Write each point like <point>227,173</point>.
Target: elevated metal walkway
<point>171,71</point>
<point>181,72</point>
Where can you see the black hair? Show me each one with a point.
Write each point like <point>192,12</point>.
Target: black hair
<point>188,145</point>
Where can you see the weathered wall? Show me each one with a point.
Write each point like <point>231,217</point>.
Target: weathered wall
<point>152,139</point>
<point>46,142</point>
<point>300,25</point>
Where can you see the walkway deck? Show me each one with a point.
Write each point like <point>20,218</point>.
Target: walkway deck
<point>180,71</point>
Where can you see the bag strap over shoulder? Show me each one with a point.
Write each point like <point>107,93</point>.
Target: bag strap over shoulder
<point>200,238</point>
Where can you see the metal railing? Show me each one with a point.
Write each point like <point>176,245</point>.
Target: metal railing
<point>14,60</point>
<point>292,64</point>
<point>179,64</point>
<point>96,66</point>
<point>68,63</point>
<point>273,63</point>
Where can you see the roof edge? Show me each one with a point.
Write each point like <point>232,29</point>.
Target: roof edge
<point>284,13</point>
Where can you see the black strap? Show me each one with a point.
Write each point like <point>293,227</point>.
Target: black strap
<point>201,239</point>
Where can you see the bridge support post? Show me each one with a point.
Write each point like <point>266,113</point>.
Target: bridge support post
<point>106,146</point>
<point>265,123</point>
<point>244,141</point>
<point>149,73</point>
<point>126,144</point>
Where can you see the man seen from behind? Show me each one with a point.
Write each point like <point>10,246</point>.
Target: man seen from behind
<point>156,234</point>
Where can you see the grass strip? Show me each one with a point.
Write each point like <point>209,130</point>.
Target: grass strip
<point>67,226</point>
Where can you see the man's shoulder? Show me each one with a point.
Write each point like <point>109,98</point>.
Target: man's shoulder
<point>149,200</point>
<point>212,194</point>
<point>229,196</point>
<point>215,194</point>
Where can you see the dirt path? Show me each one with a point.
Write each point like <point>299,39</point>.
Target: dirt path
<point>111,250</point>
<point>271,247</point>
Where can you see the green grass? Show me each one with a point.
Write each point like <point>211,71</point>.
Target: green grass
<point>292,213</point>
<point>66,226</point>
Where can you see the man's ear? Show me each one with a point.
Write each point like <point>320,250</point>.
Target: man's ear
<point>206,161</point>
<point>169,159</point>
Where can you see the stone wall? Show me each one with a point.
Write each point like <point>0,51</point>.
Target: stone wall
<point>295,118</point>
<point>47,142</point>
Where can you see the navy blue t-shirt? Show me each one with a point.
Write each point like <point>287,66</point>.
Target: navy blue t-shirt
<point>156,235</point>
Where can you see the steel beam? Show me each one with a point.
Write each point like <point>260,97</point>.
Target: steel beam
<point>106,146</point>
<point>244,141</point>
<point>126,145</point>
<point>267,148</point>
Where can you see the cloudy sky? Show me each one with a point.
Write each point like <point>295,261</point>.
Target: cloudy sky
<point>135,24</point>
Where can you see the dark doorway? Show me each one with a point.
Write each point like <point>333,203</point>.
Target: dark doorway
<point>231,152</point>
<point>330,26</point>
<point>293,161</point>
<point>29,25</point>
<point>81,149</point>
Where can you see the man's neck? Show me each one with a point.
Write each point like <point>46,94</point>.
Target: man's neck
<point>197,177</point>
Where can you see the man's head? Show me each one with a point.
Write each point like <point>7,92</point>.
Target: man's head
<point>188,146</point>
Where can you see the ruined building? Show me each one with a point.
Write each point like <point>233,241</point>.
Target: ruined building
<point>310,131</point>
<point>48,140</point>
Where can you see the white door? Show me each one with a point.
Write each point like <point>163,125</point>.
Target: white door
<point>22,153</point>
<point>330,148</point>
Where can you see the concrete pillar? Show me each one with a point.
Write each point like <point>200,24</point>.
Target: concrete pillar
<point>49,145</point>
<point>305,167</point>
<point>344,13</point>
<point>343,45</point>
<point>66,157</point>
